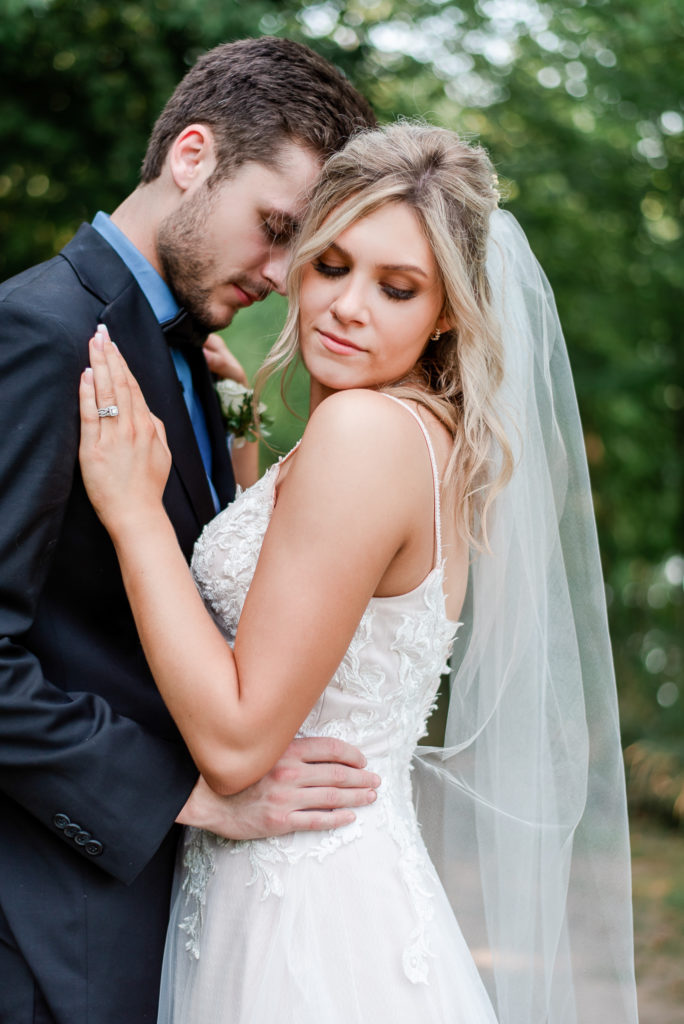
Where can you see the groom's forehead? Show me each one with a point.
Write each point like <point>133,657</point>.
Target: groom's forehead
<point>279,187</point>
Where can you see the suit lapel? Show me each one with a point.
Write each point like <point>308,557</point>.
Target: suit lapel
<point>147,354</point>
<point>133,326</point>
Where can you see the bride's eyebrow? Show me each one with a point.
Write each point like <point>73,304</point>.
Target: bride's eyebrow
<point>410,267</point>
<point>404,266</point>
<point>338,250</point>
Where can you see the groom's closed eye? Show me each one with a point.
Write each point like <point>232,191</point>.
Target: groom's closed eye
<point>280,228</point>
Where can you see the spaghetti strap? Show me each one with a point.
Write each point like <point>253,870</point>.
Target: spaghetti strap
<point>435,474</point>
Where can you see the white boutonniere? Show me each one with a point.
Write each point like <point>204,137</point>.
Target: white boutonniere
<point>240,417</point>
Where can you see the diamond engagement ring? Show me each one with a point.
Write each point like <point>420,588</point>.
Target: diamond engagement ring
<point>109,410</point>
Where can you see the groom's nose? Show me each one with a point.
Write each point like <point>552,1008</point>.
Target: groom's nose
<point>274,270</point>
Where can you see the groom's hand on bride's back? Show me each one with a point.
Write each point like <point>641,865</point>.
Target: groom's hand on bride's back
<point>313,786</point>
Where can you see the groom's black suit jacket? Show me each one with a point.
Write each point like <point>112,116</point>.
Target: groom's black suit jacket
<point>92,769</point>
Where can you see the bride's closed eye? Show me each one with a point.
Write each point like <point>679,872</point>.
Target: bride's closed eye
<point>330,269</point>
<point>340,269</point>
<point>397,294</point>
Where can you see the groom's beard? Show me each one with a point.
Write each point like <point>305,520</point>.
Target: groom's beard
<point>186,269</point>
<point>189,272</point>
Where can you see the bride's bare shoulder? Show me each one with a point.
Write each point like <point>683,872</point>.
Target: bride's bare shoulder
<point>359,438</point>
<point>358,413</point>
<point>360,456</point>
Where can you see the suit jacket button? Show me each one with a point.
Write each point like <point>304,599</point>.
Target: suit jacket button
<point>81,838</point>
<point>71,829</point>
<point>61,821</point>
<point>94,847</point>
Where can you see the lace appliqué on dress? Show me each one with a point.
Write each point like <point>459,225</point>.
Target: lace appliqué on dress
<point>267,855</point>
<point>199,862</point>
<point>379,698</point>
<point>423,643</point>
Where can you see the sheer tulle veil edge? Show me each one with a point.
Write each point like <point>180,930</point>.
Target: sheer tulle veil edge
<point>523,810</point>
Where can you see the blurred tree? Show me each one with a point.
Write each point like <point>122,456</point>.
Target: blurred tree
<point>81,82</point>
<point>580,104</point>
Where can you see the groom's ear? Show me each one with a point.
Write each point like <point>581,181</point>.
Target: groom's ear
<point>192,157</point>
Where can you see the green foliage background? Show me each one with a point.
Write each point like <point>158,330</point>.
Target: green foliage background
<point>581,105</point>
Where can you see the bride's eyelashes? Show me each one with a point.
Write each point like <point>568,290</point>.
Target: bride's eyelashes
<point>336,270</point>
<point>398,294</point>
<point>328,269</point>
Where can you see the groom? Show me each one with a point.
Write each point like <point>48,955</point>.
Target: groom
<point>93,773</point>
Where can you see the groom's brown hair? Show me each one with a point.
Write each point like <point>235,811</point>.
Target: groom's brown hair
<point>255,94</point>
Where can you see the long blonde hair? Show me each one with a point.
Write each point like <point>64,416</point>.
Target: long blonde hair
<point>451,187</point>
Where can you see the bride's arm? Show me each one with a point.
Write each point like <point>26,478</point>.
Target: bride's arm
<point>343,512</point>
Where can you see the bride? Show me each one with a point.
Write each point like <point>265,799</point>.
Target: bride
<point>441,477</point>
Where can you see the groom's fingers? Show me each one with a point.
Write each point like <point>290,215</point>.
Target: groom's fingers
<point>325,772</point>
<point>325,748</point>
<point>335,777</point>
<point>325,805</point>
<point>327,797</point>
<point>319,821</point>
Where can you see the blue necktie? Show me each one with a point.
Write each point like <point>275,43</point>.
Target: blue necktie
<point>199,423</point>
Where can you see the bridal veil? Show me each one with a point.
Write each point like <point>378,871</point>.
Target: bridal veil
<point>523,809</point>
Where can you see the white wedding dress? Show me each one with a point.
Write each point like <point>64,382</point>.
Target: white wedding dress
<point>350,925</point>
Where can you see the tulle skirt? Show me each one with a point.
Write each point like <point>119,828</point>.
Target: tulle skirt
<point>330,928</point>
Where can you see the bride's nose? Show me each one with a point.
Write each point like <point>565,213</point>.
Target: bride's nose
<point>350,305</point>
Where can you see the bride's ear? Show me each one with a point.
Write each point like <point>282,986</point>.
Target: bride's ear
<point>444,324</point>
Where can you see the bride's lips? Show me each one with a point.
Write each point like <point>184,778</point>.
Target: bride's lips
<point>336,344</point>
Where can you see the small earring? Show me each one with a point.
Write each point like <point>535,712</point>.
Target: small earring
<point>436,334</point>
